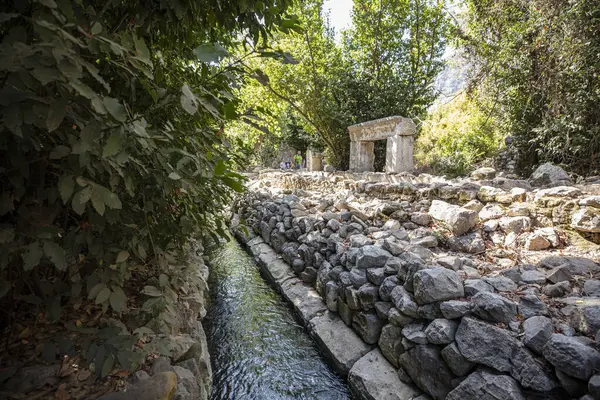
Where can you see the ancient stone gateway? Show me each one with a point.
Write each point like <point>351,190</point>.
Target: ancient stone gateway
<point>399,133</point>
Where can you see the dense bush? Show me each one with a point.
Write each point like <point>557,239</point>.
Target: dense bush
<point>456,136</point>
<point>111,154</point>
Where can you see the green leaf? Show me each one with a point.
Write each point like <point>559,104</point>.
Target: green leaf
<point>98,201</point>
<point>83,89</point>
<point>188,100</point>
<point>48,3</point>
<point>151,291</point>
<point>96,29</point>
<point>107,365</point>
<point>163,279</point>
<point>103,295</point>
<point>233,183</point>
<point>7,235</point>
<point>56,113</point>
<point>91,133</point>
<point>59,151</point>
<point>118,300</point>
<point>174,176</point>
<point>66,185</point>
<point>46,75</point>
<point>141,48</point>
<point>32,256</point>
<point>56,254</point>
<point>122,256</point>
<point>4,287</point>
<point>115,109</point>
<point>7,16</point>
<point>112,200</point>
<point>210,52</point>
<point>112,146</point>
<point>80,199</point>
<point>220,168</point>
<point>95,290</point>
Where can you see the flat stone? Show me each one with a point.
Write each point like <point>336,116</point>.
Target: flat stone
<point>436,284</point>
<point>490,211</point>
<point>558,191</point>
<point>458,364</point>
<point>470,243</point>
<point>374,378</point>
<point>452,262</point>
<point>533,277</point>
<point>559,289</point>
<point>494,347</point>
<point>420,218</point>
<point>455,309</point>
<point>399,319</point>
<point>559,274</point>
<point>592,288</point>
<point>305,300</point>
<point>459,220</point>
<point>339,343</point>
<point>536,333</point>
<point>483,173</point>
<point>586,219</point>
<point>30,378</point>
<point>441,331</point>
<point>501,283</point>
<point>493,307</point>
<point>474,286</point>
<point>536,241</point>
<point>515,224</point>
<point>483,384</point>
<point>576,265</point>
<point>571,356</point>
<point>427,369</point>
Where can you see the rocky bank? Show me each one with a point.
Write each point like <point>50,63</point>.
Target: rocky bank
<point>479,288</point>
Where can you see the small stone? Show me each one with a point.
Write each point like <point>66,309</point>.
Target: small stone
<point>382,308</point>
<point>452,262</point>
<point>559,274</point>
<point>592,288</point>
<point>483,173</point>
<point>513,274</point>
<point>459,365</point>
<point>368,326</point>
<point>470,243</point>
<point>459,220</point>
<point>501,283</point>
<point>368,294</point>
<point>557,290</point>
<point>391,225</point>
<point>491,211</point>
<point>371,257</point>
<point>387,286</point>
<point>455,309</point>
<point>571,357</point>
<point>586,219</point>
<point>533,277</point>
<point>441,331</point>
<point>397,318</point>
<point>404,301</point>
<point>493,307</point>
<point>390,343</point>
<point>420,218</point>
<point>536,333</point>
<point>548,173</point>
<point>415,333</point>
<point>535,242</point>
<point>594,386</point>
<point>376,275</point>
<point>586,318</point>
<point>531,305</point>
<point>573,386</point>
<point>161,386</point>
<point>426,241</point>
<point>474,286</point>
<point>515,225</point>
<point>427,369</point>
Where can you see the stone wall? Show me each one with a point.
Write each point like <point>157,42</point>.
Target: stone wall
<point>467,288</point>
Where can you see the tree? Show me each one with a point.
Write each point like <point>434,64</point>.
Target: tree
<point>536,64</point>
<point>111,154</point>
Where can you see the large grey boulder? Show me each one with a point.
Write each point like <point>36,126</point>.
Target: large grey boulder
<point>571,356</point>
<point>494,347</point>
<point>547,174</point>
<point>427,369</point>
<point>371,257</point>
<point>374,378</point>
<point>368,326</point>
<point>536,333</point>
<point>458,219</point>
<point>493,307</point>
<point>437,284</point>
<point>484,385</point>
<point>455,308</point>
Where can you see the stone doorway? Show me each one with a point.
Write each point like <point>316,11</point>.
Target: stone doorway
<point>399,133</point>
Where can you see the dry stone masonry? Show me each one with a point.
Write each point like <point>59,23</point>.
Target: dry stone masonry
<point>426,288</point>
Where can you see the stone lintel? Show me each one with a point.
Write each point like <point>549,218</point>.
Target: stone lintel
<point>382,128</point>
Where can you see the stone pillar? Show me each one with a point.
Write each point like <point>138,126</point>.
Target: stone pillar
<point>313,160</point>
<point>399,153</point>
<point>362,156</point>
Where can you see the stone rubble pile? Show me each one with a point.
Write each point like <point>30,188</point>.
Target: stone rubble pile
<point>431,273</point>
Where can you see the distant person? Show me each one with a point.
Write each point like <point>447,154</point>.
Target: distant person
<point>298,160</point>
<point>282,165</point>
<point>288,163</point>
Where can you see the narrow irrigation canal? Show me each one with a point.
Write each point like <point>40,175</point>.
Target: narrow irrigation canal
<point>258,349</point>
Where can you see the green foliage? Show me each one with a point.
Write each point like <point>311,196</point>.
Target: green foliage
<point>456,136</point>
<point>537,62</point>
<point>385,65</point>
<point>111,156</point>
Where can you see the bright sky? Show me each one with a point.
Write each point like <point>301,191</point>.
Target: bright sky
<point>339,12</point>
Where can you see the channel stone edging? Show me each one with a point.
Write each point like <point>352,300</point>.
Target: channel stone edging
<point>370,375</point>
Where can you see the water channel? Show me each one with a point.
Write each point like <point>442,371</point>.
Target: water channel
<point>258,349</point>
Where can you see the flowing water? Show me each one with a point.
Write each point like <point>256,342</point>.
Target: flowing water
<point>257,348</point>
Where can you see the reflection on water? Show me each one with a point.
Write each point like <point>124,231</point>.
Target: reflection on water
<point>258,351</point>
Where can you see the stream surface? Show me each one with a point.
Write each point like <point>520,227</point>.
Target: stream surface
<point>258,350</point>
